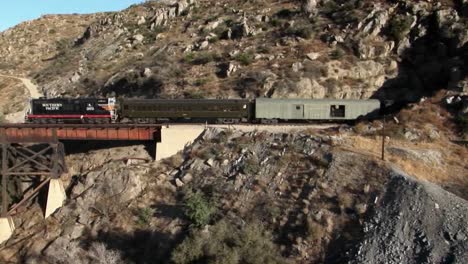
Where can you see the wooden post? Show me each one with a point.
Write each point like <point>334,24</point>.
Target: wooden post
<point>383,139</point>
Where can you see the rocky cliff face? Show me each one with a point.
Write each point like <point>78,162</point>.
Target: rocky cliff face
<point>312,49</point>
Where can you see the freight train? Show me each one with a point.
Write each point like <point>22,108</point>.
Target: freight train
<point>260,110</point>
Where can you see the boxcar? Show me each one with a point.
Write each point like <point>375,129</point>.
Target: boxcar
<point>92,110</point>
<point>223,111</point>
<point>316,109</point>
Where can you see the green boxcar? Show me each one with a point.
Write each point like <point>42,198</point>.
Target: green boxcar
<point>186,108</point>
<point>315,109</point>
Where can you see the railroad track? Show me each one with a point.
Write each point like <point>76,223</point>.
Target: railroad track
<point>129,125</point>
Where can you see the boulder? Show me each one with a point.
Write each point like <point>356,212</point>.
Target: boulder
<point>138,38</point>
<point>369,49</point>
<point>76,77</point>
<point>187,178</point>
<point>373,24</point>
<point>179,183</point>
<point>309,7</point>
<point>147,72</point>
<point>313,55</point>
<point>181,6</point>
<point>304,88</point>
<point>227,69</point>
<point>210,162</point>
<point>204,45</point>
<point>141,21</point>
<point>297,66</point>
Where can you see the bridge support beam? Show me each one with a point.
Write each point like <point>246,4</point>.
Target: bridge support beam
<point>6,228</point>
<point>175,138</point>
<point>55,196</point>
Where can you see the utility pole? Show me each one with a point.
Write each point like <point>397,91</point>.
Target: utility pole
<point>383,138</point>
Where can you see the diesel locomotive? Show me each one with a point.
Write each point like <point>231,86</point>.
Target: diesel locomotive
<point>260,110</point>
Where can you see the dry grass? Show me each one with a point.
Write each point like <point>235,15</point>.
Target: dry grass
<point>14,97</point>
<point>451,173</point>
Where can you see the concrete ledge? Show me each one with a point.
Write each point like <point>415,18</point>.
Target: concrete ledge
<point>175,138</point>
<point>6,228</point>
<point>55,197</point>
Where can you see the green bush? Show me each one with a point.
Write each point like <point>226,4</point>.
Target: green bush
<point>245,58</point>
<point>251,166</point>
<point>337,54</point>
<point>194,94</point>
<point>144,216</point>
<point>399,26</point>
<point>200,58</point>
<point>330,7</point>
<point>275,22</point>
<point>198,208</point>
<point>201,81</point>
<point>227,243</point>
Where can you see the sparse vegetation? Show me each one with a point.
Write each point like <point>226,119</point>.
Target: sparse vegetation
<point>195,94</point>
<point>337,54</point>
<point>330,7</point>
<point>399,27</point>
<point>198,208</point>
<point>226,242</point>
<point>201,82</point>
<point>245,58</point>
<point>251,166</point>
<point>200,58</point>
<point>303,31</point>
<point>315,231</point>
<point>144,216</point>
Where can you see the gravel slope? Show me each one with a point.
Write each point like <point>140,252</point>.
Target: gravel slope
<point>416,222</point>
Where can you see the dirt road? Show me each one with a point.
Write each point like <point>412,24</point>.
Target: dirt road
<point>30,89</point>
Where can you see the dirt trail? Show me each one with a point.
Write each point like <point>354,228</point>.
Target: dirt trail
<point>30,87</point>
<point>33,92</point>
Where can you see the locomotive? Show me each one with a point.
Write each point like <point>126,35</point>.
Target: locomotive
<point>226,111</point>
<point>72,110</point>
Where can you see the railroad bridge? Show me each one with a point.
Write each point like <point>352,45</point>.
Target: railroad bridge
<point>37,151</point>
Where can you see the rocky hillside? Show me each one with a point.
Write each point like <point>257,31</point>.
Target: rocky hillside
<point>308,196</point>
<point>341,49</point>
<point>246,197</point>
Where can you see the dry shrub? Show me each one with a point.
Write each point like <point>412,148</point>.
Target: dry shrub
<point>225,242</point>
<point>345,200</point>
<point>315,231</point>
<point>96,253</point>
<point>361,128</point>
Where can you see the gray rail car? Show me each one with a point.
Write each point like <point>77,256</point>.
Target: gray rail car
<point>316,109</point>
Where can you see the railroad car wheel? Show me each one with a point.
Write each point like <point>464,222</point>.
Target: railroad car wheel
<point>227,121</point>
<point>269,121</point>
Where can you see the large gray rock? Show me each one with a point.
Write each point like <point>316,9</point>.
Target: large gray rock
<point>368,49</point>
<point>304,88</point>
